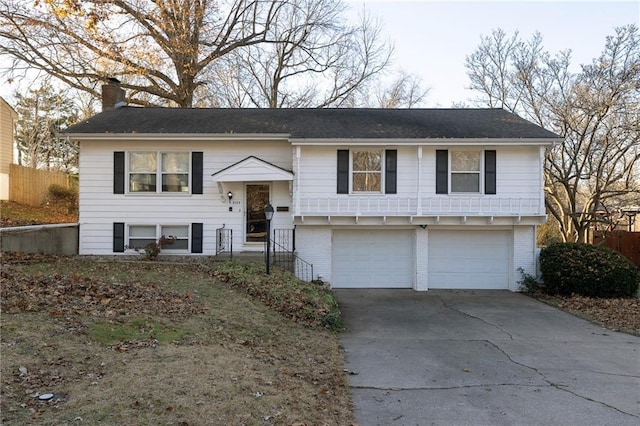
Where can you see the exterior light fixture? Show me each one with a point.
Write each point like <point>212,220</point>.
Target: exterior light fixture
<point>268,214</point>
<point>230,195</point>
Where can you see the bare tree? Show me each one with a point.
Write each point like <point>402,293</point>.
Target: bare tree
<point>596,110</point>
<point>404,91</point>
<point>42,113</point>
<point>267,53</point>
<point>158,49</point>
<point>315,59</point>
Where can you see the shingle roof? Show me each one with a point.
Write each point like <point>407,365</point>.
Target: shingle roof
<point>316,123</point>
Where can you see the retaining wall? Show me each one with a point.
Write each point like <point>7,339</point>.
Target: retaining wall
<point>49,239</point>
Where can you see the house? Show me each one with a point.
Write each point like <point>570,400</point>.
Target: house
<point>8,117</point>
<point>403,198</point>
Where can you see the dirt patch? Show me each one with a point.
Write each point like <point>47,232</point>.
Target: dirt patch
<point>235,361</point>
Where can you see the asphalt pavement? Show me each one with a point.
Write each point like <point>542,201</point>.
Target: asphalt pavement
<point>483,358</point>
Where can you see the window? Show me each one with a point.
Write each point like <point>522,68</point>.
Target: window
<point>141,235</point>
<point>360,171</point>
<point>180,235</point>
<point>166,171</point>
<point>366,171</point>
<point>175,172</point>
<point>465,171</point>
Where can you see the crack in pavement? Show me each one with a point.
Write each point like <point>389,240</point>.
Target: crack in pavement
<point>542,375</point>
<point>557,385</point>
<point>444,303</point>
<point>483,385</point>
<point>487,385</point>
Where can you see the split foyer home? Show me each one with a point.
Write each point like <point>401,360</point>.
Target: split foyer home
<point>404,198</point>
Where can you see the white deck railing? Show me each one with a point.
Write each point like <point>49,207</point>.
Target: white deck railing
<point>408,206</point>
<point>349,206</point>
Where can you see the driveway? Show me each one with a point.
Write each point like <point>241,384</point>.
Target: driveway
<point>483,358</point>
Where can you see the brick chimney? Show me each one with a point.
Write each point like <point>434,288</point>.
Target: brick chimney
<point>113,95</point>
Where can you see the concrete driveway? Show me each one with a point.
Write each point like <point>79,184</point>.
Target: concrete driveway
<point>483,358</point>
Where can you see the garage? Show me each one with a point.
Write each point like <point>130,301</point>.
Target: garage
<point>372,258</point>
<point>469,259</point>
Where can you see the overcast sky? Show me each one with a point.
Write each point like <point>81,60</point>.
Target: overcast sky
<point>432,38</point>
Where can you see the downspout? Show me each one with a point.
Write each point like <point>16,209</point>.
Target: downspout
<point>419,188</point>
<point>296,186</point>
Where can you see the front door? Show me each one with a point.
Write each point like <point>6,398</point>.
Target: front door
<point>256,224</point>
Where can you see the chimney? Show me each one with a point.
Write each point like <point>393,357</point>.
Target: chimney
<point>112,94</point>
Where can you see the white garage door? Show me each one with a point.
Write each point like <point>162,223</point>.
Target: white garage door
<point>469,259</point>
<point>372,258</point>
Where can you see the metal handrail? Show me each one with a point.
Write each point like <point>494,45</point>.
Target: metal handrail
<point>224,241</point>
<point>290,261</point>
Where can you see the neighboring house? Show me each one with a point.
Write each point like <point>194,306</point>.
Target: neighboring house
<point>8,117</point>
<point>413,198</point>
<point>626,218</point>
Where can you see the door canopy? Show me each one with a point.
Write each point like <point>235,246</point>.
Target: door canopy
<point>252,169</point>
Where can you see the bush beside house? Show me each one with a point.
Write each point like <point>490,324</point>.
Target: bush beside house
<point>587,270</point>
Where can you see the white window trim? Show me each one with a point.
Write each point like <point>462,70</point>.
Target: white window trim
<point>158,235</point>
<point>382,172</point>
<point>480,172</point>
<point>158,174</point>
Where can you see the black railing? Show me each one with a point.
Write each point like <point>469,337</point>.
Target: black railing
<point>288,259</point>
<point>224,241</point>
<point>286,238</point>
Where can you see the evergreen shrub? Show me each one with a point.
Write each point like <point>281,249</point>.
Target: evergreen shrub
<point>587,270</point>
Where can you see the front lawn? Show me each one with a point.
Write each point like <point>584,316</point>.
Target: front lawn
<point>160,343</point>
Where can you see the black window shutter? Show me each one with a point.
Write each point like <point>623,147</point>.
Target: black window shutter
<point>390,171</point>
<point>442,171</point>
<point>196,238</point>
<point>118,172</point>
<point>118,237</point>
<point>343,171</point>
<point>196,172</point>
<point>489,172</point>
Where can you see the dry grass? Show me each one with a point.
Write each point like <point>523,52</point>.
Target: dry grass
<point>229,360</point>
<point>16,214</point>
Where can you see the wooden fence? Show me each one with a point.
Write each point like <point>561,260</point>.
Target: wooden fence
<point>624,242</point>
<point>29,186</point>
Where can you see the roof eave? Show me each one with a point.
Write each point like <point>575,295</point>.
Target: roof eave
<point>426,141</point>
<point>175,136</point>
<point>310,141</point>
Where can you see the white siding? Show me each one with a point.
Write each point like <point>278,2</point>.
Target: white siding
<point>518,184</point>
<point>422,259</point>
<point>318,169</point>
<point>99,207</point>
<point>517,170</point>
<point>524,253</point>
<point>313,244</point>
<point>317,173</point>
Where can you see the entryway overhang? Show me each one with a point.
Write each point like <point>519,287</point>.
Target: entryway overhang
<point>251,169</point>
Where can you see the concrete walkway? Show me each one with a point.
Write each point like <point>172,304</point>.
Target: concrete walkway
<point>483,358</point>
